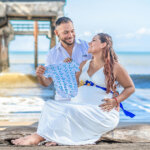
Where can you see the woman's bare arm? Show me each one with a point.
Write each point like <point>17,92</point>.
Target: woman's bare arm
<point>125,81</point>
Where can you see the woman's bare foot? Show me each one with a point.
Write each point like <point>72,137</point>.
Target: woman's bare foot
<point>33,139</point>
<point>51,144</point>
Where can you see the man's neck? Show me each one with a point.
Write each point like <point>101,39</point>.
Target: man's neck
<point>68,48</point>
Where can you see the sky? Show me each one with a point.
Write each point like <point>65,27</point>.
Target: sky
<point>126,21</point>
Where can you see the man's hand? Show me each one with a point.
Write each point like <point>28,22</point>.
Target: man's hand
<point>109,104</point>
<point>42,80</point>
<point>68,60</point>
<point>40,71</point>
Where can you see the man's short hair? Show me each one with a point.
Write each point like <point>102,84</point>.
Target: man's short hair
<point>62,20</point>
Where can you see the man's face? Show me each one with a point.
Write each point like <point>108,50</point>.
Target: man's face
<point>65,33</point>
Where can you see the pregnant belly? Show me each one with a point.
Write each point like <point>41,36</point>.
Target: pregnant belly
<point>90,95</point>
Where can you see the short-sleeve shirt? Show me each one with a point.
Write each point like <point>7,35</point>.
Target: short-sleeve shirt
<point>58,54</point>
<point>64,78</point>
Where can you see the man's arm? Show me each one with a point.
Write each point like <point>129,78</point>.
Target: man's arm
<point>45,81</point>
<point>42,80</point>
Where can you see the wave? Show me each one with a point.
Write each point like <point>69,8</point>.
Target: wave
<point>141,81</point>
<point>20,108</point>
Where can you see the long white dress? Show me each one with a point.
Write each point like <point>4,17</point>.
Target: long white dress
<point>79,121</point>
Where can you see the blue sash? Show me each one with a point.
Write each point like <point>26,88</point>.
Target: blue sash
<point>127,113</point>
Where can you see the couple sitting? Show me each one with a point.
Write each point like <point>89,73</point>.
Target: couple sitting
<point>83,119</point>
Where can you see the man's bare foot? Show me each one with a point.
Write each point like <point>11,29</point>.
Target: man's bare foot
<point>33,139</point>
<point>51,144</point>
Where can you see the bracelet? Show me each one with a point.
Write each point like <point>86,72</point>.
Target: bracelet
<point>116,101</point>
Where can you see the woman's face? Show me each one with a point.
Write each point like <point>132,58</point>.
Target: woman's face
<point>95,45</point>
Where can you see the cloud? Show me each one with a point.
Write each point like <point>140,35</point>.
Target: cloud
<point>137,34</point>
<point>129,35</point>
<point>99,31</point>
<point>143,31</point>
<point>87,34</point>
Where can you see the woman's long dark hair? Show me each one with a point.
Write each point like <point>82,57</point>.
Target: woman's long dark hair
<point>110,58</point>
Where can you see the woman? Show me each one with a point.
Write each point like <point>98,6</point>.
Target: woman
<point>93,111</point>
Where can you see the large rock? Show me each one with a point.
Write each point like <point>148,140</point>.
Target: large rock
<point>127,134</point>
<point>132,134</point>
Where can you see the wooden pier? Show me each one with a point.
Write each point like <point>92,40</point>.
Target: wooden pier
<point>36,10</point>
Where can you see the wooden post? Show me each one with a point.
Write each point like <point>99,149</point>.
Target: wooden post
<point>35,44</point>
<point>6,52</point>
<point>53,36</point>
<point>0,53</point>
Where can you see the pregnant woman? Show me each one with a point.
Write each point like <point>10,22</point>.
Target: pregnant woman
<point>91,113</point>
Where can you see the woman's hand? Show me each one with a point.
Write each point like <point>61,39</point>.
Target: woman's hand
<point>68,60</point>
<point>109,104</point>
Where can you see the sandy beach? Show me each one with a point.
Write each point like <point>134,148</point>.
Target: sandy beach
<point>101,146</point>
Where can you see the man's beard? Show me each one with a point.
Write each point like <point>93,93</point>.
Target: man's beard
<point>69,44</point>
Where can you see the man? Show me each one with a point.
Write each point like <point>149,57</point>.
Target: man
<point>67,49</point>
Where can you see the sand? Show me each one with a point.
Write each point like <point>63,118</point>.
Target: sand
<point>101,146</point>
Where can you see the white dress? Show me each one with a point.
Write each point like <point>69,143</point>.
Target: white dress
<point>79,121</point>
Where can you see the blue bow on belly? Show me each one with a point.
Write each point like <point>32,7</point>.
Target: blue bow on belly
<point>90,83</point>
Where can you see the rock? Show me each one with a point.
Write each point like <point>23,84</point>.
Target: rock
<point>127,134</point>
<point>132,134</point>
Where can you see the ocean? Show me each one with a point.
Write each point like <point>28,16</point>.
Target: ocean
<point>22,98</point>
